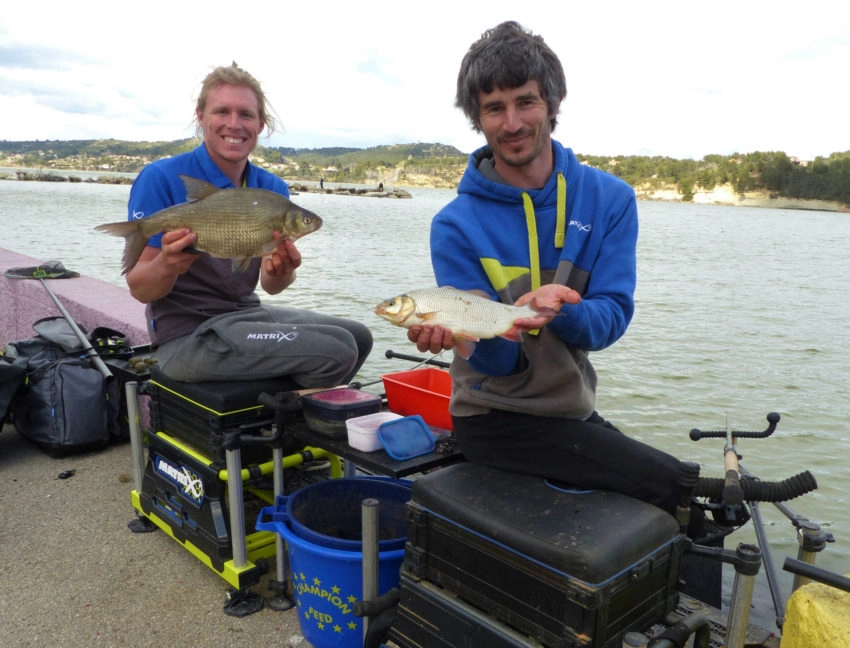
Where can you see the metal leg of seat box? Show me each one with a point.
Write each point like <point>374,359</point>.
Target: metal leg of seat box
<point>748,560</point>
<point>281,601</point>
<point>239,602</point>
<point>139,524</point>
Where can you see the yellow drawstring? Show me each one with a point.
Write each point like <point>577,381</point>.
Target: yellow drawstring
<point>531,225</point>
<point>533,248</point>
<point>561,222</point>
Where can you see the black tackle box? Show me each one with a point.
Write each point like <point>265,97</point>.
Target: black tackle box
<point>184,489</point>
<point>433,617</point>
<point>200,413</point>
<point>568,568</point>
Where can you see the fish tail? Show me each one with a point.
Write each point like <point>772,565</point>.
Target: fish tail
<point>134,241</point>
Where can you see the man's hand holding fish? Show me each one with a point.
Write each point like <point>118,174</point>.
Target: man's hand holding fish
<point>431,339</point>
<point>546,302</point>
<point>279,266</point>
<point>177,252</point>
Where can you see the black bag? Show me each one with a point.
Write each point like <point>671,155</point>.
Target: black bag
<point>12,374</point>
<point>66,405</point>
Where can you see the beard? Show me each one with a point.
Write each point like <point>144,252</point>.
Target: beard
<point>533,144</point>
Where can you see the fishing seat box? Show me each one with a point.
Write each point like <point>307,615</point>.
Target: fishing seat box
<point>568,568</point>
<point>185,491</point>
<point>200,413</point>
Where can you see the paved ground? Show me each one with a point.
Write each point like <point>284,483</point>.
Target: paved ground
<point>73,574</point>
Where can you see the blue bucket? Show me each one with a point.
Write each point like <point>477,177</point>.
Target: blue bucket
<point>328,512</point>
<point>327,580</point>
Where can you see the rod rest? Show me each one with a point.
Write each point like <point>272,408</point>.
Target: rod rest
<point>756,490</point>
<point>772,421</point>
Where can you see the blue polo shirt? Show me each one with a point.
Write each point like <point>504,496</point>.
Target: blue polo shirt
<point>209,287</point>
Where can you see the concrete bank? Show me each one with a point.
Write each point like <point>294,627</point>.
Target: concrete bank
<point>72,573</point>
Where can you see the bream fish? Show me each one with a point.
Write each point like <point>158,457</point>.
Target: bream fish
<point>469,315</point>
<point>236,224</point>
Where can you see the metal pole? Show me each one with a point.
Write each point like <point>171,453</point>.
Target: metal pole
<point>282,601</point>
<point>235,504</point>
<point>277,458</point>
<point>87,347</point>
<point>136,448</point>
<point>769,570</point>
<point>747,565</point>
<point>369,522</point>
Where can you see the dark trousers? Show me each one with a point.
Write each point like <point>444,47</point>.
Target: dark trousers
<point>590,454</point>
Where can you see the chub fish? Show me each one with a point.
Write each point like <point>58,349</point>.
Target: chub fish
<point>469,315</point>
<point>236,224</point>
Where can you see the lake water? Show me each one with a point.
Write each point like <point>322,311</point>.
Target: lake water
<point>740,311</point>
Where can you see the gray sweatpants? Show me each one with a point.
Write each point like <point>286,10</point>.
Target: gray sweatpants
<point>315,350</point>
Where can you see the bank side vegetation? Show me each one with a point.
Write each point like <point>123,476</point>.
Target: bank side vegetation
<point>438,165</point>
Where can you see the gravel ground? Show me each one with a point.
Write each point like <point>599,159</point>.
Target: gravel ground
<point>73,574</point>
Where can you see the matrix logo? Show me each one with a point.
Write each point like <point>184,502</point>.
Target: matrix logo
<point>189,481</point>
<point>277,336</point>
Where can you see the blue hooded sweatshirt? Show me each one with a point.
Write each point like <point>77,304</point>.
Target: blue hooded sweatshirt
<point>579,230</point>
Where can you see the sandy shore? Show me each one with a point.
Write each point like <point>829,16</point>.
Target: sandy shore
<point>74,575</point>
<point>726,195</point>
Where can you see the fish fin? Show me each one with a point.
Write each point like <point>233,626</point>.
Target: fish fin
<point>240,264</point>
<point>197,189</point>
<point>513,335</point>
<point>134,241</point>
<point>465,347</point>
<point>545,310</point>
<point>269,246</point>
<point>427,316</point>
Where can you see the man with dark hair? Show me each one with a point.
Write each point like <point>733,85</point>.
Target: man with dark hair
<point>532,225</point>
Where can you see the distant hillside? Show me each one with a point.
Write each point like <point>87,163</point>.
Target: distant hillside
<point>763,176</point>
<point>421,164</point>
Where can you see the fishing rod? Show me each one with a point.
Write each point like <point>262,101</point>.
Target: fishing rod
<point>402,356</point>
<point>422,361</point>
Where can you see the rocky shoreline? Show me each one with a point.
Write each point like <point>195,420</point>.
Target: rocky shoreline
<point>295,187</point>
<point>298,187</point>
<point>41,176</point>
<point>722,195</point>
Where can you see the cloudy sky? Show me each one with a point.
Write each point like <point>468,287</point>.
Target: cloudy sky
<point>682,79</point>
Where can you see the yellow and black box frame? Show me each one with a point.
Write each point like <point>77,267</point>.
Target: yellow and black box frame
<point>193,486</point>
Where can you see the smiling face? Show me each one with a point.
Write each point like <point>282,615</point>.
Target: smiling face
<point>516,124</point>
<point>231,124</point>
